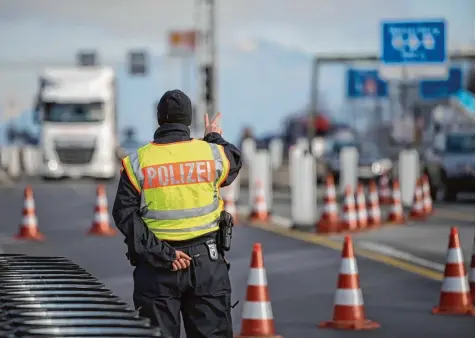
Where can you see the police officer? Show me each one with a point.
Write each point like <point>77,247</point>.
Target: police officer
<point>169,209</point>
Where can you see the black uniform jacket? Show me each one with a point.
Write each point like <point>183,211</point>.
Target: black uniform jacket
<point>141,242</point>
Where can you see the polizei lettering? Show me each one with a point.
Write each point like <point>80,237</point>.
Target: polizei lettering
<point>170,174</point>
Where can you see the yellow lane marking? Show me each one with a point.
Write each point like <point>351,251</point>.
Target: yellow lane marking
<point>465,216</point>
<point>337,245</point>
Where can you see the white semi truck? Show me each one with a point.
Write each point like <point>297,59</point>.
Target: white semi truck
<point>76,111</point>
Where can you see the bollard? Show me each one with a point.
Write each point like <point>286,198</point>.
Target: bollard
<point>276,153</point>
<point>295,155</point>
<point>31,160</point>
<point>408,173</point>
<point>303,144</point>
<point>14,162</point>
<point>348,165</point>
<point>248,149</point>
<point>318,146</point>
<point>304,208</point>
<point>260,169</point>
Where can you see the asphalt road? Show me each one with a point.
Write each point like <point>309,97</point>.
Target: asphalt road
<point>302,276</point>
<point>422,242</point>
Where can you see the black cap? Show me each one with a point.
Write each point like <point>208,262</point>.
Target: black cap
<point>174,107</point>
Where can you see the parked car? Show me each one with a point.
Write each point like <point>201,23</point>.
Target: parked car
<point>372,163</point>
<point>450,165</point>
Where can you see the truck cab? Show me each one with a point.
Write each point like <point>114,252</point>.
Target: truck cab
<point>76,111</point>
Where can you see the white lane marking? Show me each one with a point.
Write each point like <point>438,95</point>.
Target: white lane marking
<point>282,221</point>
<point>389,251</point>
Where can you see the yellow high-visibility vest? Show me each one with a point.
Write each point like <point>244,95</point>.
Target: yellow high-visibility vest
<point>179,184</point>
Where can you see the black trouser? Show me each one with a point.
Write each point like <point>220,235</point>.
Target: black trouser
<point>202,293</point>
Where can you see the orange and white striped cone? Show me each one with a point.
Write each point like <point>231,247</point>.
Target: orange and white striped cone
<point>362,216</point>
<point>29,225</point>
<point>349,220</point>
<point>455,298</point>
<point>260,209</point>
<point>417,213</point>
<point>257,317</point>
<point>349,312</point>
<point>375,214</point>
<point>230,207</point>
<point>396,211</point>
<point>329,221</point>
<point>385,194</point>
<point>101,225</point>
<point>471,276</point>
<point>427,200</point>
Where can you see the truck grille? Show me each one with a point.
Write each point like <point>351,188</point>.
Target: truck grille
<point>75,155</point>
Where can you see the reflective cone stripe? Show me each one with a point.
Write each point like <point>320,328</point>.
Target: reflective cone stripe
<point>29,224</point>
<point>257,315</point>
<point>101,225</point>
<point>385,194</point>
<point>455,295</point>
<point>362,215</point>
<point>471,276</point>
<point>427,200</point>
<point>349,310</point>
<point>329,221</point>
<point>396,212</point>
<point>230,207</point>
<point>349,221</point>
<point>260,211</point>
<point>375,214</point>
<point>417,212</point>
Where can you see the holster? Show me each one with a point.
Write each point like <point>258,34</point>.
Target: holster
<point>225,231</point>
<point>224,234</point>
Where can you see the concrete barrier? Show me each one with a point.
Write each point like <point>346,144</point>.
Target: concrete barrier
<point>349,158</point>
<point>261,171</point>
<point>408,173</point>
<point>304,192</point>
<point>31,160</point>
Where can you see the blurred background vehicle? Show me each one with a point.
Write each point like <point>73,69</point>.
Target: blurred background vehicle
<point>450,164</point>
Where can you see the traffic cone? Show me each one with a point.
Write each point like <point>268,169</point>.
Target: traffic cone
<point>396,212</point>
<point>349,221</point>
<point>471,276</point>
<point>385,194</point>
<point>349,313</point>
<point>329,221</point>
<point>455,298</point>
<point>417,212</point>
<point>29,225</point>
<point>101,225</point>
<point>362,216</point>
<point>257,317</point>
<point>375,214</point>
<point>260,209</point>
<point>427,200</point>
<point>230,207</point>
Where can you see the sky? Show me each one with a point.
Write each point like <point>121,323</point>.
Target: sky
<point>264,56</point>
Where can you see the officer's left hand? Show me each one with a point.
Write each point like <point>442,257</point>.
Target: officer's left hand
<point>181,262</point>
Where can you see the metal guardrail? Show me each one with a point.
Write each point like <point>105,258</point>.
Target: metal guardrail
<point>54,297</point>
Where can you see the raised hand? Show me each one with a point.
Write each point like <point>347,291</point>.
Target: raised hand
<point>213,126</point>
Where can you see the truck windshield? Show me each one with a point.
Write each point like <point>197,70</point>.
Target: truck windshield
<point>77,112</point>
<point>460,143</point>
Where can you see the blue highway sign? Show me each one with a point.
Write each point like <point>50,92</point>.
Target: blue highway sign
<point>413,42</point>
<point>441,89</point>
<point>363,83</point>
